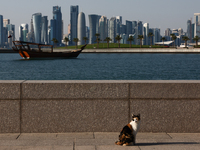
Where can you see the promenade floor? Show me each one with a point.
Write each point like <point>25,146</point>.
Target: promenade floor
<point>98,141</point>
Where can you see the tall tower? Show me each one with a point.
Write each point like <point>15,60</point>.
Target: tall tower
<point>74,11</point>
<point>197,24</point>
<point>44,32</point>
<point>1,31</point>
<point>37,26</point>
<point>189,30</point>
<point>113,29</point>
<point>103,28</point>
<point>81,28</point>
<point>93,19</point>
<point>23,30</point>
<point>57,16</point>
<point>145,34</point>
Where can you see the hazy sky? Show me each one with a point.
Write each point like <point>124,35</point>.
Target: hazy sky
<point>158,13</point>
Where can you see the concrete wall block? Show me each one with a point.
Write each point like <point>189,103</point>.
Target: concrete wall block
<point>9,116</point>
<point>73,115</point>
<point>168,115</point>
<point>9,90</point>
<point>165,90</point>
<point>41,90</point>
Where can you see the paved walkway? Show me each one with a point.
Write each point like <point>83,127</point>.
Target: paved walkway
<point>98,141</point>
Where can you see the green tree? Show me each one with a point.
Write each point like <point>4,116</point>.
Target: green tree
<point>151,36</point>
<point>130,39</point>
<point>140,37</point>
<point>163,39</point>
<point>97,39</point>
<point>107,39</point>
<point>173,38</point>
<point>76,41</point>
<point>118,38</point>
<point>196,39</point>
<point>185,38</point>
<point>85,39</point>
<point>66,40</point>
<point>55,41</point>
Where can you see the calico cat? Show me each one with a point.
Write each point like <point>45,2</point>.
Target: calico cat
<point>128,133</point>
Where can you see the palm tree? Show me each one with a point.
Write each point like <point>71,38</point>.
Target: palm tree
<point>196,39</point>
<point>140,37</point>
<point>151,36</point>
<point>163,39</point>
<point>173,38</point>
<point>76,41</point>
<point>130,39</point>
<point>107,39</point>
<point>185,38</point>
<point>55,41</point>
<point>85,39</point>
<point>97,39</point>
<point>66,40</point>
<point>118,38</point>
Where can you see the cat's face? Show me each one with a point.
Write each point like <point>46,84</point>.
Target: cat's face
<point>136,118</point>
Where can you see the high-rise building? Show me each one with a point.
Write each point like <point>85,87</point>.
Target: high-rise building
<point>168,32</point>
<point>57,25</point>
<point>113,29</point>
<point>44,30</point>
<point>1,31</point>
<point>128,27</point>
<point>156,37</point>
<point>37,20</point>
<point>93,25</point>
<point>180,31</point>
<point>11,31</point>
<point>81,28</point>
<point>23,31</point>
<point>118,24</point>
<point>5,22</point>
<point>103,28</point>
<point>134,26</point>
<point>145,34</point>
<point>197,24</point>
<point>74,11</point>
<point>189,30</point>
<point>30,35</point>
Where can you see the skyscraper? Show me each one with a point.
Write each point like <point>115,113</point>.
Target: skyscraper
<point>113,29</point>
<point>44,30</point>
<point>81,28</point>
<point>197,24</point>
<point>145,34</point>
<point>37,26</point>
<point>189,30</point>
<point>168,32</point>
<point>74,11</point>
<point>5,22</point>
<point>57,25</point>
<point>93,19</point>
<point>1,31</point>
<point>103,28</point>
<point>23,30</point>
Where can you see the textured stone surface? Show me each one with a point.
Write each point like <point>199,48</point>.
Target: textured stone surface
<point>168,115</point>
<point>81,90</point>
<point>9,116</point>
<point>10,90</point>
<point>171,90</point>
<point>73,115</point>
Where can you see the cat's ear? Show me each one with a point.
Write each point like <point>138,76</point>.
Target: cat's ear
<point>133,115</point>
<point>138,115</point>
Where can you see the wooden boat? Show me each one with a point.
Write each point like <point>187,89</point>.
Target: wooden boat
<point>29,50</point>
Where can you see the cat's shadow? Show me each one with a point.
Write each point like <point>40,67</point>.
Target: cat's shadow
<point>165,143</point>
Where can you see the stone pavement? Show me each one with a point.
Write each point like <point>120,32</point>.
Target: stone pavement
<point>98,141</point>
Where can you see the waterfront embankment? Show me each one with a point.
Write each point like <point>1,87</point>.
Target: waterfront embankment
<point>58,106</point>
<point>127,50</point>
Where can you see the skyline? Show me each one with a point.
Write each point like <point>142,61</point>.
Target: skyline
<point>158,13</point>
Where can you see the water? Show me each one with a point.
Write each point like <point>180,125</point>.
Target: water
<point>104,66</point>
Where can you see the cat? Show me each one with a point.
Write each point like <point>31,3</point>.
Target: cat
<point>127,135</point>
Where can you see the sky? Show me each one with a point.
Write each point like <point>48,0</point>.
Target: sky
<point>158,13</point>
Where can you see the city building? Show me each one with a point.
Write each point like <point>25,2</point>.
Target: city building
<point>44,30</point>
<point>1,31</point>
<point>189,30</point>
<point>103,28</point>
<point>23,31</point>
<point>145,34</point>
<point>81,28</point>
<point>113,29</point>
<point>196,24</point>
<point>93,25</point>
<point>168,32</point>
<point>37,26</point>
<point>74,11</point>
<point>5,22</point>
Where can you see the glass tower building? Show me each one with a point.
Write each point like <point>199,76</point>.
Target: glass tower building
<point>74,11</point>
<point>112,29</point>
<point>93,25</point>
<point>81,28</point>
<point>37,26</point>
<point>1,31</point>
<point>145,34</point>
<point>103,28</point>
<point>44,31</point>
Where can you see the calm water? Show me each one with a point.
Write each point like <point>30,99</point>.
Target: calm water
<point>104,66</point>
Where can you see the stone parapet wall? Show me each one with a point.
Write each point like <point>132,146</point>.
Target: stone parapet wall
<point>98,105</point>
